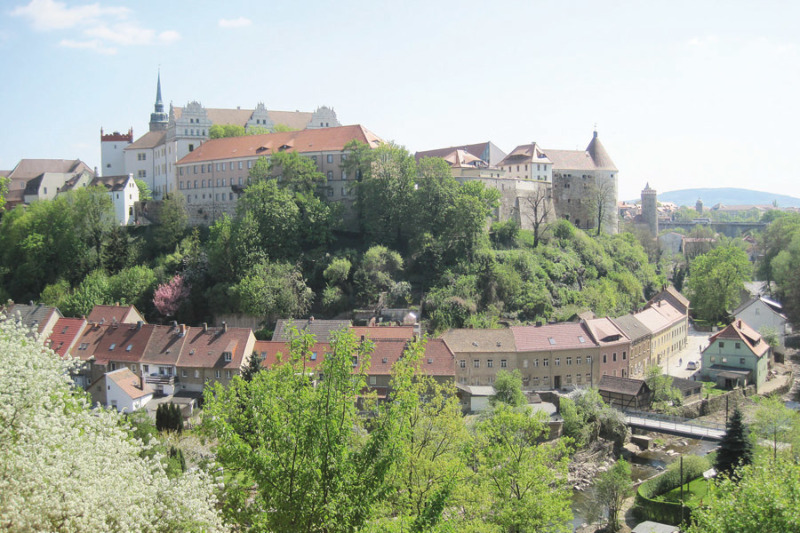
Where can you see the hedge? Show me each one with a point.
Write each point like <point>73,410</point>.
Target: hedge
<point>668,512</point>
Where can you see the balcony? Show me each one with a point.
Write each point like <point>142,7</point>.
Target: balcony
<point>159,379</point>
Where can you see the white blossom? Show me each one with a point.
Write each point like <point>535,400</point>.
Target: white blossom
<point>69,468</point>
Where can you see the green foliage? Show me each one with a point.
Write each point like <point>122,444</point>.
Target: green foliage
<point>716,280</point>
<point>587,417</point>
<point>273,290</point>
<point>304,462</point>
<point>169,418</point>
<point>508,389</point>
<point>295,172</point>
<point>253,367</point>
<point>3,192</point>
<point>524,483</point>
<point>612,488</point>
<point>776,423</point>
<point>763,499</point>
<point>218,131</point>
<point>172,221</point>
<point>282,128</point>
<point>145,193</point>
<point>374,276</point>
<point>664,394</point>
<point>736,448</point>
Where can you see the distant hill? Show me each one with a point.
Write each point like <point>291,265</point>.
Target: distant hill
<point>727,196</point>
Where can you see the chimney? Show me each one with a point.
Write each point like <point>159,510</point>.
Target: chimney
<point>30,302</point>
<point>139,325</point>
<point>740,324</point>
<point>224,327</point>
<point>183,330</point>
<point>205,327</point>
<point>175,324</point>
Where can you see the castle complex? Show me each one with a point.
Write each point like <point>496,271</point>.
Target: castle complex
<point>153,157</point>
<point>541,184</point>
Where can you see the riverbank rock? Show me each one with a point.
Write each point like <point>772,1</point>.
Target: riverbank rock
<point>587,463</point>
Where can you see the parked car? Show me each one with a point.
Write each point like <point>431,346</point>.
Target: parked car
<point>691,365</point>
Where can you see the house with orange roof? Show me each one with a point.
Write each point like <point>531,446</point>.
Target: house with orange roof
<point>121,314</point>
<point>65,334</point>
<point>737,356</point>
<point>214,174</point>
<point>159,360</point>
<point>121,389</point>
<point>211,354</point>
<point>109,347</point>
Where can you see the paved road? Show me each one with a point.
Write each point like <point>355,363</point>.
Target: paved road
<point>675,365</point>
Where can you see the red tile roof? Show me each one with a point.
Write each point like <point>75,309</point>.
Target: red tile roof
<point>551,337</point>
<point>250,146</point>
<point>605,332</point>
<point>109,313</point>
<point>121,342</point>
<point>65,333</point>
<point>205,349</point>
<point>269,350</point>
<point>165,344</point>
<point>383,332</point>
<point>129,382</point>
<point>739,330</point>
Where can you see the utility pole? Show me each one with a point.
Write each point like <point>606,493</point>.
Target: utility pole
<point>682,509</point>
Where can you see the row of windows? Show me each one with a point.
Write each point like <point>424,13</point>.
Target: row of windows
<point>220,197</point>
<point>614,357</point>
<point>221,182</point>
<point>724,359</point>
<point>184,373</point>
<point>476,363</point>
<point>737,345</point>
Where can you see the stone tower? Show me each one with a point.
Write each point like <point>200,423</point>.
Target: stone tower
<point>699,206</point>
<point>158,118</point>
<point>650,209</point>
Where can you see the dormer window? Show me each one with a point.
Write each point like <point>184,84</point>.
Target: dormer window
<point>228,356</point>
<point>113,345</point>
<point>129,347</point>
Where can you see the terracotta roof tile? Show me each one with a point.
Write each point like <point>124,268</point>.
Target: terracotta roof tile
<point>65,333</point>
<point>383,332</point>
<point>165,344</point>
<point>249,146</point>
<point>739,330</point>
<point>129,382</point>
<point>480,340</point>
<point>551,337</point>
<point>207,349</point>
<point>108,314</point>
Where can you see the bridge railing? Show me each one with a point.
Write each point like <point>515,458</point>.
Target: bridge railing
<point>673,419</point>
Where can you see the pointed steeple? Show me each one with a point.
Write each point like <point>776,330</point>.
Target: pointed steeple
<point>158,118</point>
<point>599,155</point>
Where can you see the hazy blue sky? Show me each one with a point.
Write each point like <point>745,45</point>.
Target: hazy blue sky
<point>688,94</point>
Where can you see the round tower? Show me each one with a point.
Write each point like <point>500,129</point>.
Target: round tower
<point>650,209</point>
<point>699,206</point>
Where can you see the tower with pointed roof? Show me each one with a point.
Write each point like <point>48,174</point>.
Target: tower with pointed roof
<point>581,179</point>
<point>158,118</point>
<point>650,209</point>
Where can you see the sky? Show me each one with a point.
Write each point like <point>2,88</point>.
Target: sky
<point>682,94</point>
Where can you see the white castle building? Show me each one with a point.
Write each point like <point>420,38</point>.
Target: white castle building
<point>153,156</point>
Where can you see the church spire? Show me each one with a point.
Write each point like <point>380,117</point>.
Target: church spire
<point>158,118</point>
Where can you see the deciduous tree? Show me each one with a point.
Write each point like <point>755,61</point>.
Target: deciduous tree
<point>716,280</point>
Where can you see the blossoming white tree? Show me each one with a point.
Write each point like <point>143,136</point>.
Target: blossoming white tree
<point>66,467</point>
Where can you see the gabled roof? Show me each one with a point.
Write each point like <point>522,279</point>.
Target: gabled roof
<point>673,296</point>
<point>480,340</point>
<point>525,153</point>
<point>771,305</point>
<point>738,330</point>
<point>32,315</point>
<point>108,314</point>
<point>632,328</point>
<point>28,169</point>
<point>164,345</point>
<point>618,385</point>
<point>65,333</point>
<point>552,337</point>
<point>206,349</point>
<point>129,382</point>
<point>652,320</point>
<point>594,157</point>
<point>119,343</point>
<point>321,329</point>
<point>668,311</point>
<point>297,120</point>
<point>438,359</point>
<point>485,151</point>
<point>605,332</point>
<point>270,350</point>
<point>151,139</point>
<point>303,141</point>
<point>111,183</point>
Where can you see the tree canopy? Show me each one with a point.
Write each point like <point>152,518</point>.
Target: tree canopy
<point>716,280</point>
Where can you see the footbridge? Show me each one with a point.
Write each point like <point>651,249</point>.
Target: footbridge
<point>674,425</point>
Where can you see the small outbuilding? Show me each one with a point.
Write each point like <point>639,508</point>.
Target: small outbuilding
<point>624,393</point>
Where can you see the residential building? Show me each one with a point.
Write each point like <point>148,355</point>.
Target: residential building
<point>764,314</point>
<point>122,314</point>
<point>480,353</point>
<point>737,356</point>
<point>660,335</point>
<point>109,347</point>
<point>640,337</point>
<point>41,179</point>
<point>213,355</point>
<point>321,329</point>
<point>39,317</point>
<point>121,389</point>
<point>615,347</point>
<point>159,360</point>
<point>124,194</point>
<point>580,178</point>
<point>65,334</point>
<point>375,333</point>
<point>488,153</point>
<point>214,175</point>
<point>556,356</point>
<point>527,162</point>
